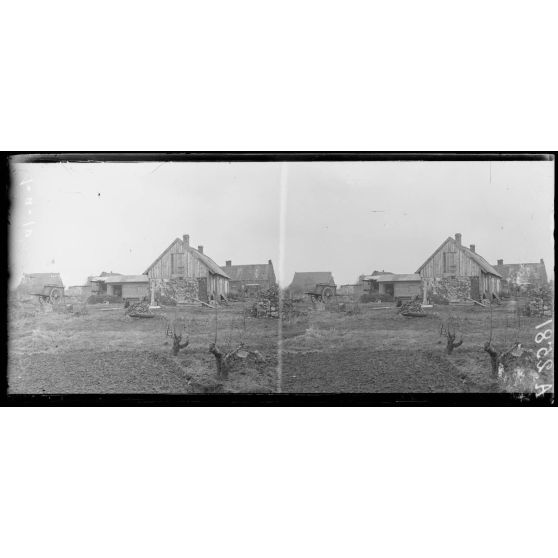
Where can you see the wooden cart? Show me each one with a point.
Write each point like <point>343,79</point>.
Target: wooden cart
<point>50,294</point>
<point>323,292</point>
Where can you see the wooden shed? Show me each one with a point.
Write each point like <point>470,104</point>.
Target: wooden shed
<point>402,286</point>
<point>456,273</point>
<point>183,273</point>
<point>304,281</point>
<point>128,287</point>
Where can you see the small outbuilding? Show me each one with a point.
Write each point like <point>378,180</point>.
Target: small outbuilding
<point>401,286</point>
<point>128,287</point>
<point>370,282</point>
<point>306,281</point>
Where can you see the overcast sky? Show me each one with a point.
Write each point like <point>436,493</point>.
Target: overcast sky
<point>348,218</point>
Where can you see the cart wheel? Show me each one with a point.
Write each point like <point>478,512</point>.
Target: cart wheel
<point>327,294</point>
<point>55,296</point>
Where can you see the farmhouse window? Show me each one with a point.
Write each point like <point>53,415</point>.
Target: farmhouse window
<point>177,262</point>
<point>449,262</point>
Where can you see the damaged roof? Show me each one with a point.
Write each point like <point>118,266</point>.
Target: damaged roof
<point>206,260</point>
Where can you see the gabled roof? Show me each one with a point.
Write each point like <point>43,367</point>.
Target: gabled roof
<point>396,277</point>
<point>483,264</point>
<point>309,279</point>
<point>206,260</point>
<point>251,272</point>
<point>162,254</point>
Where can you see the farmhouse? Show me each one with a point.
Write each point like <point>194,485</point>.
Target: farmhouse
<point>183,273</point>
<point>248,280</point>
<point>400,285</point>
<point>306,281</point>
<point>454,273</point>
<point>518,277</point>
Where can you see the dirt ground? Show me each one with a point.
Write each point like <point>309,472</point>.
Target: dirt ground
<point>377,350</point>
<point>372,350</point>
<point>106,351</point>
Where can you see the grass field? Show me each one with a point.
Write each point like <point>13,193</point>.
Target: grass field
<point>372,350</point>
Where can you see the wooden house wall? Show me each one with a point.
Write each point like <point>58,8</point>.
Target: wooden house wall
<point>465,266</point>
<point>490,284</point>
<point>193,268</point>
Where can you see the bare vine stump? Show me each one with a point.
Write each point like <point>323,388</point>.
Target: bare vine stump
<point>450,334</point>
<point>451,344</point>
<point>177,346</point>
<point>221,360</point>
<point>516,369</point>
<point>494,357</point>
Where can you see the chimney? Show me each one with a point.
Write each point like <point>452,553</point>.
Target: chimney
<point>500,262</point>
<point>200,249</point>
<point>542,261</point>
<point>458,238</point>
<point>186,240</point>
<point>269,262</point>
<point>228,263</point>
<point>472,247</point>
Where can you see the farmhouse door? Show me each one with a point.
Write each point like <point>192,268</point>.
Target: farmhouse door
<point>475,288</point>
<point>202,283</point>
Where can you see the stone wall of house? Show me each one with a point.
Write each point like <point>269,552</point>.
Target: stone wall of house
<point>449,289</point>
<point>176,289</point>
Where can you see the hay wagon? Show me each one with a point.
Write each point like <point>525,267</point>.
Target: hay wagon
<point>323,292</point>
<point>49,294</point>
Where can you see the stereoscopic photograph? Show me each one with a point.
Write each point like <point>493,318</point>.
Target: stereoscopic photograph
<point>160,275</point>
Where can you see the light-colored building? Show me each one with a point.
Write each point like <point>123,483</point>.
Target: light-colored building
<point>402,286</point>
